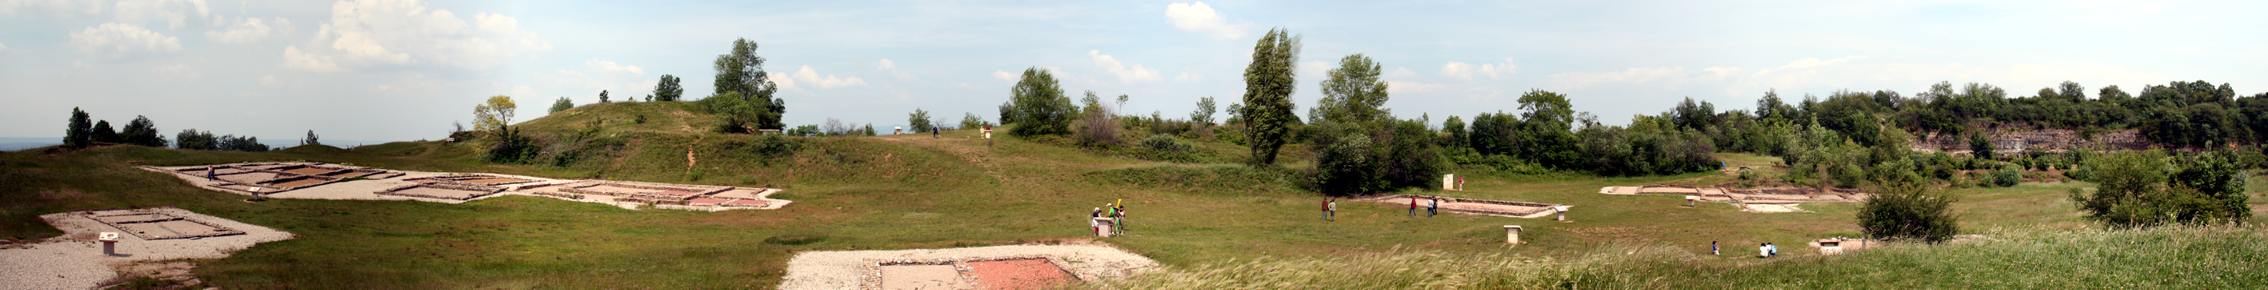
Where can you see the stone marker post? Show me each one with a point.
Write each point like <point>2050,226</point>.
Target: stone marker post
<point>109,243</point>
<point>1511,234</point>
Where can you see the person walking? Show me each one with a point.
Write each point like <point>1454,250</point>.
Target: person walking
<point>1324,208</point>
<point>1332,206</point>
<point>1434,208</point>
<point>1413,206</point>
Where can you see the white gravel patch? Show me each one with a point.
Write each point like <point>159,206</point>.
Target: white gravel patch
<point>861,269</point>
<point>75,260</point>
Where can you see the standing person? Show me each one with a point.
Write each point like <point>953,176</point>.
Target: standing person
<point>1434,208</point>
<point>1332,206</point>
<point>1324,208</point>
<point>1119,219</point>
<point>1413,206</point>
<point>209,173</point>
<point>934,132</point>
<point>1713,248</point>
<point>1093,225</point>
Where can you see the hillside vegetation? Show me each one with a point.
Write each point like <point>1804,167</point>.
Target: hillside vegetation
<point>1215,224</point>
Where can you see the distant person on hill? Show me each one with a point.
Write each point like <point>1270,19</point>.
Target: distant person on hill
<point>934,131</point>
<point>1092,224</point>
<point>1118,216</point>
<point>209,173</point>
<point>1433,208</point>
<point>1324,208</point>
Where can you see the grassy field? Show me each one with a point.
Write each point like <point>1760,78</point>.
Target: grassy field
<point>1206,221</point>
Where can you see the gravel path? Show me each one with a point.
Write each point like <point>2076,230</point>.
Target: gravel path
<point>75,260</point>
<point>860,269</point>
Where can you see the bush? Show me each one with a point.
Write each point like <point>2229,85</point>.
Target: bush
<point>510,146</point>
<point>775,146</point>
<point>1166,148</point>
<point>2145,189</point>
<point>1908,212</point>
<point>2007,176</point>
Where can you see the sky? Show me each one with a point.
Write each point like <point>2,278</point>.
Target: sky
<point>367,71</point>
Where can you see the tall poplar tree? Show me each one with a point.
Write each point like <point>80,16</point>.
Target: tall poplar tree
<point>1268,85</point>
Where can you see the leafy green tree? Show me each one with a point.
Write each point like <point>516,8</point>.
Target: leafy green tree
<point>742,71</point>
<point>1909,212</point>
<point>311,139</point>
<point>1980,146</point>
<point>1037,105</point>
<point>1545,133</point>
<point>1352,93</point>
<point>919,121</point>
<point>1204,114</point>
<point>1268,85</point>
<point>971,121</point>
<point>141,131</point>
<point>1694,115</point>
<point>668,89</point>
<point>740,114</point>
<point>562,105</point>
<point>602,99</point>
<point>80,132</point>
<point>494,113</point>
<point>192,139</point>
<point>103,133</point>
<point>1454,128</point>
<point>2145,189</point>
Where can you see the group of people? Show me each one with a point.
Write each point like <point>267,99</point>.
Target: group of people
<point>1764,250</point>
<point>1432,206</point>
<point>1116,212</point>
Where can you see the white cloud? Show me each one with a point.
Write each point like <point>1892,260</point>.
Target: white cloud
<point>119,39</point>
<point>1467,71</point>
<point>1187,76</point>
<point>301,60</point>
<point>1577,80</point>
<point>1005,75</point>
<point>807,76</point>
<point>405,32</point>
<point>886,64</point>
<point>175,13</point>
<point>1200,18</point>
<point>8,7</point>
<point>1126,73</point>
<point>249,30</point>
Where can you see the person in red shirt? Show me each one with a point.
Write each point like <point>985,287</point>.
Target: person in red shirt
<point>1413,206</point>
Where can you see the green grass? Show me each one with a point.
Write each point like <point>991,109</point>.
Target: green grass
<point>902,192</point>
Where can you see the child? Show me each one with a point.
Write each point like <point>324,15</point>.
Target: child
<point>1332,207</point>
<point>1433,208</point>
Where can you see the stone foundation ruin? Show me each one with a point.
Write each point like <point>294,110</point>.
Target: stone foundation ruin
<point>1503,208</point>
<point>1766,199</point>
<point>303,180</point>
<point>156,225</point>
<point>996,267</point>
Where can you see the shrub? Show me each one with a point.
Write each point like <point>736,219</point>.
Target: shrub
<point>2007,176</point>
<point>775,146</point>
<point>1908,212</point>
<point>2144,189</point>
<point>511,146</point>
<point>1166,148</point>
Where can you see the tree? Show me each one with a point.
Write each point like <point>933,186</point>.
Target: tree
<point>311,139</point>
<point>740,114</point>
<point>80,132</point>
<point>1268,85</point>
<point>1691,115</point>
<point>1980,146</point>
<point>602,99</point>
<point>971,121</point>
<point>103,133</point>
<point>1204,114</point>
<point>1352,93</point>
<point>141,131</point>
<point>1037,105</point>
<point>1096,126</point>
<point>562,105</point>
<point>1544,133</point>
<point>668,89</point>
<point>494,113</point>
<point>192,139</point>
<point>742,71</point>
<point>511,146</point>
<point>1454,127</point>
<point>919,121</point>
<point>1909,212</point>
